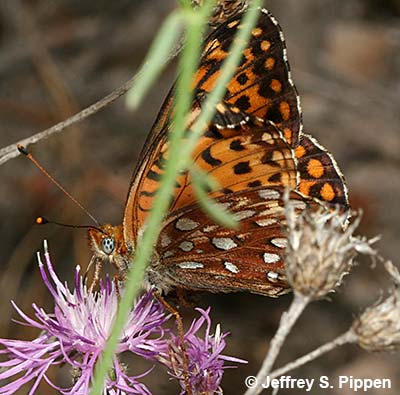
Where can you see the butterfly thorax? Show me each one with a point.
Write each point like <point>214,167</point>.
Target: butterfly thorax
<point>108,245</point>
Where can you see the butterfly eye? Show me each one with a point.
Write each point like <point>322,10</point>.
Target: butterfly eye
<point>108,245</point>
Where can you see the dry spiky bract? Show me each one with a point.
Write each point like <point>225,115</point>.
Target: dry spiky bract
<point>223,9</point>
<point>378,328</point>
<point>321,249</point>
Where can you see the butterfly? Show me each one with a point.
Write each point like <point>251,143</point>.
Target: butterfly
<point>255,148</point>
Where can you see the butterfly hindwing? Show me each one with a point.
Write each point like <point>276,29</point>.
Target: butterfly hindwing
<point>196,253</point>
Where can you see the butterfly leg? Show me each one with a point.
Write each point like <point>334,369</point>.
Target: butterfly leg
<point>98,264</point>
<point>92,260</point>
<point>118,278</point>
<point>183,300</point>
<point>179,324</point>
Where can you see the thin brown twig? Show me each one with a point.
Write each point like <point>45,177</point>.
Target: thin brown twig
<point>347,337</point>
<point>288,319</point>
<point>11,151</point>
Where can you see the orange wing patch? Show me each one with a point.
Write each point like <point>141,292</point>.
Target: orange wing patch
<point>315,168</point>
<point>320,176</point>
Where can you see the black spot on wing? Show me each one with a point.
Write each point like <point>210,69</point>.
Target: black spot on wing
<point>242,79</point>
<point>274,114</point>
<point>275,177</point>
<point>243,103</point>
<point>153,175</point>
<point>236,145</point>
<point>208,158</point>
<point>146,193</point>
<point>242,168</point>
<point>254,184</point>
<point>213,133</point>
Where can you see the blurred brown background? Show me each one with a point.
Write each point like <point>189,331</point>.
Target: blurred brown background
<point>57,57</point>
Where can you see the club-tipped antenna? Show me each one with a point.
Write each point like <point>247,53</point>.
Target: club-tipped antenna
<point>43,220</point>
<point>24,151</point>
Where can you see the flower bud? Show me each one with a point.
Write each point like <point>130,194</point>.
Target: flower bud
<point>321,249</point>
<point>378,327</point>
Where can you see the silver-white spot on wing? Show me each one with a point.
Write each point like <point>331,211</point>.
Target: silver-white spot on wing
<point>242,202</point>
<point>272,275</point>
<point>186,224</point>
<point>168,254</point>
<point>268,194</point>
<point>239,216</point>
<point>298,204</point>
<point>271,258</point>
<point>225,205</point>
<point>266,222</point>
<point>191,265</point>
<point>231,267</point>
<point>186,246</point>
<point>165,240</point>
<point>224,243</point>
<point>210,228</point>
<point>279,242</point>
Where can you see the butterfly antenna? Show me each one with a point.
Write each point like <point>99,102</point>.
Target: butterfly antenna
<point>43,221</point>
<point>24,151</point>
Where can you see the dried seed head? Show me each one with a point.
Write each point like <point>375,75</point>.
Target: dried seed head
<point>378,327</point>
<point>321,249</point>
<point>223,10</point>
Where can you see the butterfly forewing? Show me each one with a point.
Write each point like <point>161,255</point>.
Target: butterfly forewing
<point>252,154</point>
<point>261,86</point>
<point>262,83</point>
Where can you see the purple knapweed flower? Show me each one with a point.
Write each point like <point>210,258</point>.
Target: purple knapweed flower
<point>76,333</point>
<point>205,360</point>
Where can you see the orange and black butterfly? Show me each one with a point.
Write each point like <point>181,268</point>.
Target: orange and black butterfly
<point>256,149</point>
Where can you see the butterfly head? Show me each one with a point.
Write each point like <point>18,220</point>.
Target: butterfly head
<point>108,245</point>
